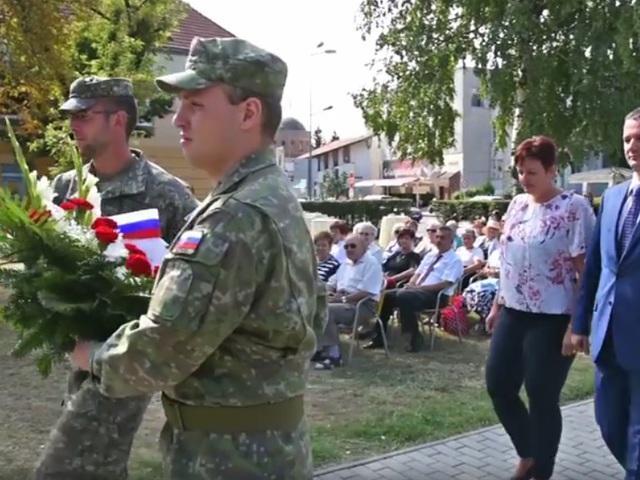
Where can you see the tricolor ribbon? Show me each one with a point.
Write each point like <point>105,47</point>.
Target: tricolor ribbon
<point>140,225</point>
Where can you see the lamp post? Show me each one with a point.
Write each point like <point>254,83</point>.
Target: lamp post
<point>317,51</point>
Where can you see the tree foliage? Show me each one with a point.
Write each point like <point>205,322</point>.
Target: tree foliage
<point>335,184</point>
<point>318,138</point>
<point>51,43</point>
<point>567,69</point>
<point>36,56</point>
<point>334,137</point>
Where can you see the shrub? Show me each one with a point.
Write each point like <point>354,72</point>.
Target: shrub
<point>461,210</point>
<point>354,211</point>
<point>467,210</point>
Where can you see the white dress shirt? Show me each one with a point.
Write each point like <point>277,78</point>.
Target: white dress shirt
<point>376,252</point>
<point>447,268</point>
<point>338,252</point>
<point>469,257</point>
<point>363,276</point>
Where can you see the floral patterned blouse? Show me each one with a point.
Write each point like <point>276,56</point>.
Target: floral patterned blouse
<point>538,243</point>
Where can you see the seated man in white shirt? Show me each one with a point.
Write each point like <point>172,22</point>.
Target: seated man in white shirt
<point>438,271</point>
<point>357,278</point>
<point>369,232</point>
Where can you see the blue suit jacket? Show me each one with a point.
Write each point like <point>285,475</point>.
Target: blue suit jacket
<point>610,288</point>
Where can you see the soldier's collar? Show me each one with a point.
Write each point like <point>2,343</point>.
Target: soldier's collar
<point>256,161</point>
<point>132,180</point>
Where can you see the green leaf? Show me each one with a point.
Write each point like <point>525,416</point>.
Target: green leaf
<point>56,304</point>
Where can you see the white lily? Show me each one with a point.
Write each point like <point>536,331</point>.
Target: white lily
<point>44,189</point>
<point>90,181</point>
<point>94,198</point>
<point>116,251</point>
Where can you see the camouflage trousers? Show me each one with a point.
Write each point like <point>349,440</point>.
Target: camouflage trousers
<point>92,439</point>
<point>271,455</point>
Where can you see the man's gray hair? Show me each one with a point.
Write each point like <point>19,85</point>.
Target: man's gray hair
<point>363,225</point>
<point>633,114</point>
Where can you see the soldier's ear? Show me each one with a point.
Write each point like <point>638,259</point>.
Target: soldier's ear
<point>252,114</point>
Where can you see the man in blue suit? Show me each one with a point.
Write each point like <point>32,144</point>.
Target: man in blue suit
<point>608,309</point>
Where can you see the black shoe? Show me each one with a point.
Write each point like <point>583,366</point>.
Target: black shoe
<point>374,344</point>
<point>416,343</point>
<point>318,356</point>
<point>365,334</point>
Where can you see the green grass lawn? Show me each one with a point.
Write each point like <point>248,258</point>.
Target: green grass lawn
<point>371,406</point>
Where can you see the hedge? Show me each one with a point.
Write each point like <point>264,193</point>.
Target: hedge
<point>354,211</point>
<point>461,210</point>
<point>467,210</point>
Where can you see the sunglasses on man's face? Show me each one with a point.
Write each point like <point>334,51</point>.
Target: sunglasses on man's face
<point>350,246</point>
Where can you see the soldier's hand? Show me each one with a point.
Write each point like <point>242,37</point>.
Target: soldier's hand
<point>81,355</point>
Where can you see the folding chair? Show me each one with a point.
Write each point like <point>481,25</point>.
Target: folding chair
<point>433,315</point>
<point>355,338</point>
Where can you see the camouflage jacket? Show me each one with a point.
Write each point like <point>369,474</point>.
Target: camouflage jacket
<point>237,305</point>
<point>142,185</point>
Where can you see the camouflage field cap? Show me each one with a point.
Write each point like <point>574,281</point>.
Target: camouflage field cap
<point>232,61</point>
<point>86,91</point>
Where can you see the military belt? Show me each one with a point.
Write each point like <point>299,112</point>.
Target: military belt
<point>283,416</point>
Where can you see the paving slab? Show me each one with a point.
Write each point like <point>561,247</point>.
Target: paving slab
<point>487,454</point>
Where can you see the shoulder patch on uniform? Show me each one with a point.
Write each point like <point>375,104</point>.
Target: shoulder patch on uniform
<point>188,242</point>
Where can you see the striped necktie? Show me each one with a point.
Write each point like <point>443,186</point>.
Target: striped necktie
<point>631,219</point>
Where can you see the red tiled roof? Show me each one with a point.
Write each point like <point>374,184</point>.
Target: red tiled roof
<point>335,145</point>
<point>194,24</point>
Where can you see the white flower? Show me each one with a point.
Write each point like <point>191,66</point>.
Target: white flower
<point>94,198</point>
<point>116,251</point>
<point>44,190</point>
<point>122,273</point>
<point>90,181</point>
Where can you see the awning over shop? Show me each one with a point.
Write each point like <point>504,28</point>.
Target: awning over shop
<point>386,182</point>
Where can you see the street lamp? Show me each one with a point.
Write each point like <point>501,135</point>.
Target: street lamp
<point>328,51</point>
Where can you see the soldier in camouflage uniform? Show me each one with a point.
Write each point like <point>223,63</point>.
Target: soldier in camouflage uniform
<point>237,306</point>
<point>93,437</point>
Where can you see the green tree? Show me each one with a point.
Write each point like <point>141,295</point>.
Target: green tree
<point>36,53</point>
<point>334,184</point>
<point>81,38</point>
<point>334,137</point>
<point>318,138</point>
<point>566,69</point>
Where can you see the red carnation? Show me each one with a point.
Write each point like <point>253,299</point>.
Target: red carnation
<point>104,222</point>
<point>105,235</point>
<point>139,265</point>
<point>156,269</point>
<point>134,250</point>
<point>68,206</point>
<point>82,203</point>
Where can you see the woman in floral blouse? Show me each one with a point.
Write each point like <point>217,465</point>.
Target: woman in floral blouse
<point>542,248</point>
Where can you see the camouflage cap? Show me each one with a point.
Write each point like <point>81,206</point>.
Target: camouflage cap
<point>232,61</point>
<point>86,91</point>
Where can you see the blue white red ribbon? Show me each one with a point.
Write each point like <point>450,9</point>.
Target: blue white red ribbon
<point>140,225</point>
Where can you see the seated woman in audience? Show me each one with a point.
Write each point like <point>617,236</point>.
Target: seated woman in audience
<point>393,246</point>
<point>402,264</point>
<point>479,296</point>
<point>339,230</point>
<point>327,263</point>
<point>472,257</point>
